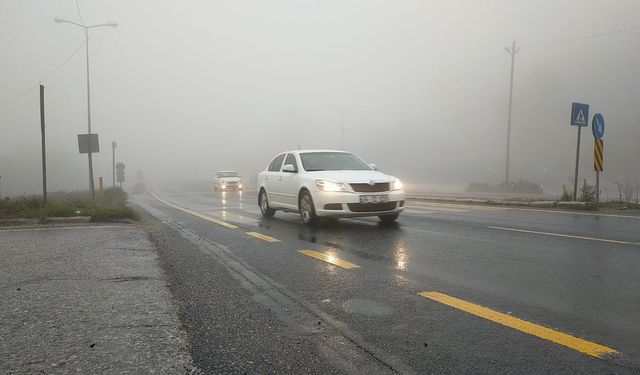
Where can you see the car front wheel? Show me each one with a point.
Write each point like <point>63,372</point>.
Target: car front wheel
<point>307,210</point>
<point>263,202</point>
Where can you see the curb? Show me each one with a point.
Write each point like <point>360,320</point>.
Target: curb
<point>49,220</point>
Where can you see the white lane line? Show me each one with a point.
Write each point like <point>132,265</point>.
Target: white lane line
<point>566,236</point>
<point>497,208</point>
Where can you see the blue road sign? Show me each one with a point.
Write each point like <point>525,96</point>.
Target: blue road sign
<point>579,114</point>
<point>597,126</point>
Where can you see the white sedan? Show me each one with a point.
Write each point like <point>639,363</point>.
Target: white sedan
<point>325,183</point>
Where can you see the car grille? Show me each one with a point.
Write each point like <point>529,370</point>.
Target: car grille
<point>230,182</point>
<point>366,188</point>
<point>372,207</point>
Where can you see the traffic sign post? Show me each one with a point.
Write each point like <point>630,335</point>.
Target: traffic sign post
<point>579,118</point>
<point>597,127</point>
<point>120,173</point>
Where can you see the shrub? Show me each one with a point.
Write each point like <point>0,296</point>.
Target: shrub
<point>587,193</point>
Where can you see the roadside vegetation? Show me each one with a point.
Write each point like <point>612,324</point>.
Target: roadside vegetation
<point>109,206</point>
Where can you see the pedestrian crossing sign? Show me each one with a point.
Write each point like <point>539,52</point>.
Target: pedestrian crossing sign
<point>579,114</point>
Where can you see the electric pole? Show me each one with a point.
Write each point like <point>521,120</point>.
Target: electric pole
<point>113,161</point>
<point>342,129</point>
<point>44,153</point>
<point>512,51</point>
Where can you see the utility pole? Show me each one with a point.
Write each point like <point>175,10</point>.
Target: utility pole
<point>342,129</point>
<point>44,153</point>
<point>512,51</point>
<point>113,161</point>
<point>91,182</point>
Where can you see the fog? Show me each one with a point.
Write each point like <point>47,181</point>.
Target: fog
<point>190,87</point>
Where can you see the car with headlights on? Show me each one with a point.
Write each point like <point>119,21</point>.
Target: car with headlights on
<point>328,183</point>
<point>227,180</point>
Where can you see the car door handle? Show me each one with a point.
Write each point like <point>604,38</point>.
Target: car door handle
<point>266,178</point>
<point>279,178</point>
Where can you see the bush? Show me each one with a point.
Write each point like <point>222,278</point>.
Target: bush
<point>566,195</point>
<point>587,193</point>
<point>111,214</point>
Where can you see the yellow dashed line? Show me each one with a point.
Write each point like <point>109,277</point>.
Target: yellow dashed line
<point>565,235</point>
<point>263,237</point>
<point>575,343</point>
<point>329,259</point>
<point>205,217</point>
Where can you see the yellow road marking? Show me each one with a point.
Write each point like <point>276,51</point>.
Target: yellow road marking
<point>205,217</point>
<point>263,237</point>
<point>329,259</point>
<point>566,236</point>
<point>575,343</point>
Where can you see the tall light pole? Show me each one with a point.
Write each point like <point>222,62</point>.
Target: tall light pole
<point>86,36</point>
<point>512,51</point>
<point>342,110</point>
<point>113,161</point>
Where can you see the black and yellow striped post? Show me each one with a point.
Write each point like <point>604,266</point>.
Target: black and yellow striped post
<point>598,152</point>
<point>598,163</point>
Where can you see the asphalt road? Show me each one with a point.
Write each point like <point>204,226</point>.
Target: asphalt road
<point>449,289</point>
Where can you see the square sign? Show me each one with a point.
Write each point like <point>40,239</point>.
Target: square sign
<point>88,143</point>
<point>579,114</point>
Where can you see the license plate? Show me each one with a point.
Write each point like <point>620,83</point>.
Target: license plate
<point>374,199</point>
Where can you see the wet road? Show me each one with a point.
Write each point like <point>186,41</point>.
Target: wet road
<point>450,288</point>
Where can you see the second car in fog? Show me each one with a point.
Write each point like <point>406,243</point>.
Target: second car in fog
<point>326,183</point>
<point>227,180</point>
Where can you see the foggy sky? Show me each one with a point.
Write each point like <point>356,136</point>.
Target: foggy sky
<point>190,87</point>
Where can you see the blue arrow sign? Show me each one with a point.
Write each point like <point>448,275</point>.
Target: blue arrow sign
<point>579,114</point>
<point>597,126</point>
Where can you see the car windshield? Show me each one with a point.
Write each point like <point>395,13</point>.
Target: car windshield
<point>332,161</point>
<point>228,174</point>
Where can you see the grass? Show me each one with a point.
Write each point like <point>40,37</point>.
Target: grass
<point>109,206</point>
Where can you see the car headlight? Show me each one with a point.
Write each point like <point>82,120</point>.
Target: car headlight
<point>330,186</point>
<point>397,185</point>
<point>223,185</point>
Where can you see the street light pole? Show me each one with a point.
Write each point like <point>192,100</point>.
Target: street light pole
<point>342,110</point>
<point>89,155</point>
<point>512,51</point>
<point>113,161</point>
<point>86,36</point>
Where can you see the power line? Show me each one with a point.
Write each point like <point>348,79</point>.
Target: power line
<point>591,36</point>
<point>79,14</point>
<point>54,71</point>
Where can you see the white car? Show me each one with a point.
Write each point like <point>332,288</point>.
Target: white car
<point>227,180</point>
<point>326,183</point>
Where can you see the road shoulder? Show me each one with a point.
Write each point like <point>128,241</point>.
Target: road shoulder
<point>86,299</point>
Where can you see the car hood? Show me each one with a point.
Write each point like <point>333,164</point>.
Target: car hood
<point>351,176</point>
<point>229,179</point>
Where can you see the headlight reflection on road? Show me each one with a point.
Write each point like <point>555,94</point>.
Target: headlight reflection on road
<point>401,258</point>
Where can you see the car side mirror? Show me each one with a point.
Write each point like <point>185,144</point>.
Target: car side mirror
<point>289,168</point>
<point>374,167</point>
